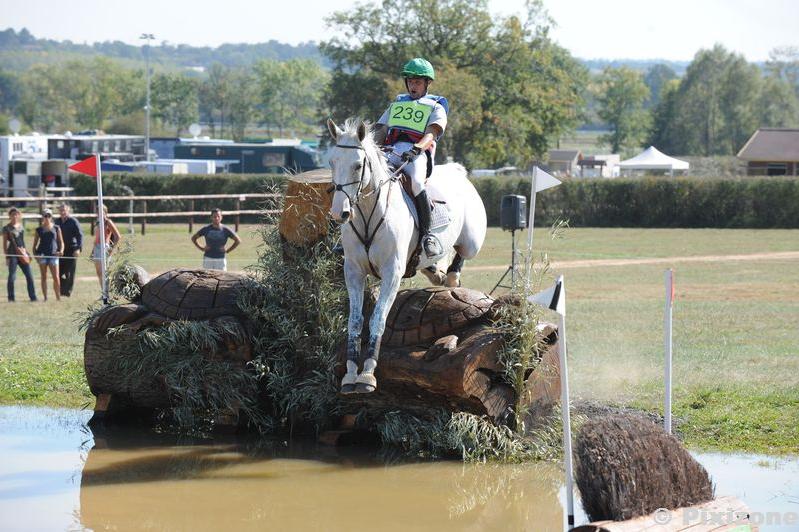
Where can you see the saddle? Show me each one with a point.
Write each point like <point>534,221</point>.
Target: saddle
<point>439,220</point>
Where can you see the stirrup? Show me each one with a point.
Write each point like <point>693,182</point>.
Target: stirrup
<point>432,246</point>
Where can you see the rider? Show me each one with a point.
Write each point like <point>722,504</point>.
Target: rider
<point>411,126</point>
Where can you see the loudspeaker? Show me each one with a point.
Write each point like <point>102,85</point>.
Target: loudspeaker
<point>513,212</point>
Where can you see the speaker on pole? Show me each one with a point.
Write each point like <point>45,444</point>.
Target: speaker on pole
<point>513,212</point>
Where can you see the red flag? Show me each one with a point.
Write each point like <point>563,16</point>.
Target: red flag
<point>86,166</point>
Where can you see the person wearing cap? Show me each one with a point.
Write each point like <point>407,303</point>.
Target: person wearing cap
<point>72,234</point>
<point>411,126</point>
<point>48,245</point>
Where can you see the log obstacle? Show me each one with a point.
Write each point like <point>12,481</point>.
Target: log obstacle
<point>440,350</point>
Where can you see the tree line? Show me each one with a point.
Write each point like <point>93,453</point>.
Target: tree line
<point>513,91</point>
<point>711,110</point>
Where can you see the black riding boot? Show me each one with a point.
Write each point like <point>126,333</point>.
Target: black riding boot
<point>430,244</point>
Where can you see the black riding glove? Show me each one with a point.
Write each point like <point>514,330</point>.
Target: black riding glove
<point>411,154</point>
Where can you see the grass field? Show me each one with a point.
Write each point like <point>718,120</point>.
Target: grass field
<point>736,338</point>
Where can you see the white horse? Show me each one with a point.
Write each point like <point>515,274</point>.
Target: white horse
<point>379,235</point>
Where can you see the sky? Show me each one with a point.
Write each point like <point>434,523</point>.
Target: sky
<point>590,29</point>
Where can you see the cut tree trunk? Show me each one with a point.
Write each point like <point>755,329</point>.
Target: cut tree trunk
<point>464,377</point>
<point>304,220</point>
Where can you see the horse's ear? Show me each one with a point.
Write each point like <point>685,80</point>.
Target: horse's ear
<point>361,131</point>
<point>333,129</point>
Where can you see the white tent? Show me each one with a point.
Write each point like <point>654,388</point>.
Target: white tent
<point>652,159</point>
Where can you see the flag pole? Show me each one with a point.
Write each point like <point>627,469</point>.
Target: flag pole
<point>530,227</point>
<point>667,340</point>
<point>564,408</point>
<point>101,229</point>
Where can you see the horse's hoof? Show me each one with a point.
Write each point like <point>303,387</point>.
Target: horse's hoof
<point>364,388</point>
<point>347,389</point>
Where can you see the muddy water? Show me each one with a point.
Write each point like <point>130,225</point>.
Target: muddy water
<point>55,475</point>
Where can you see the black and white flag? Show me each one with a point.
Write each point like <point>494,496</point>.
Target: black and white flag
<point>553,298</point>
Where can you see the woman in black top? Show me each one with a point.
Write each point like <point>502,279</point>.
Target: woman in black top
<point>13,247</point>
<point>48,245</point>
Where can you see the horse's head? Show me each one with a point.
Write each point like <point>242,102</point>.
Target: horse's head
<point>351,167</point>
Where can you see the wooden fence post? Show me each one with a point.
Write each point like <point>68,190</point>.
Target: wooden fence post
<point>238,216</point>
<point>144,218</point>
<point>191,218</point>
<point>94,211</point>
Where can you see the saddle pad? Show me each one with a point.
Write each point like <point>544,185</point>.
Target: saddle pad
<point>439,218</point>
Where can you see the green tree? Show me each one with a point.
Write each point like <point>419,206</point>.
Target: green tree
<point>664,130</point>
<point>512,91</point>
<point>214,94</point>
<point>290,92</point>
<point>174,99</point>
<point>714,109</point>
<point>783,63</point>
<point>778,105</point>
<point>657,77</point>
<point>242,102</point>
<point>621,96</point>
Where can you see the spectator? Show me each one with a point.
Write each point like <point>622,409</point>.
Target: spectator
<point>216,236</point>
<point>48,245</point>
<point>16,254</point>
<point>73,245</point>
<point>112,237</point>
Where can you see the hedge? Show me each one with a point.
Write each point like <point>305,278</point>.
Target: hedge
<point>656,202</point>
<point>756,202</point>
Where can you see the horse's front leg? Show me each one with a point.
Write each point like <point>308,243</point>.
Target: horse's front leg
<point>367,382</point>
<point>356,280</point>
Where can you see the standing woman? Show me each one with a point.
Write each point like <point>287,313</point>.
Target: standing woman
<point>48,245</point>
<point>112,237</point>
<point>16,254</point>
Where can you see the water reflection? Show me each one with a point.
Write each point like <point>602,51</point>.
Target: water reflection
<point>124,480</point>
<point>56,475</point>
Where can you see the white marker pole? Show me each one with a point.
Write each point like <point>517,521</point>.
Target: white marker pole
<point>564,408</point>
<point>101,229</point>
<point>669,279</point>
<point>528,267</point>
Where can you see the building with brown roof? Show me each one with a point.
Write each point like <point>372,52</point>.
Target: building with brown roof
<point>772,151</point>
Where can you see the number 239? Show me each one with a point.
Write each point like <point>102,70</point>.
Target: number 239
<point>407,113</point>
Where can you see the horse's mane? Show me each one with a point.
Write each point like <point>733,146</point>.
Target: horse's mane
<point>368,143</point>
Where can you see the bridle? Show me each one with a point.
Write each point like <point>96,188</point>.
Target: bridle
<point>339,187</point>
<point>367,237</point>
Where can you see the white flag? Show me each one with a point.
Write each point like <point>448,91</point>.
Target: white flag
<point>544,181</point>
<point>553,298</point>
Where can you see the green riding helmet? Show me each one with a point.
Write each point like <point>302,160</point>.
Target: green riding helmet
<point>418,67</point>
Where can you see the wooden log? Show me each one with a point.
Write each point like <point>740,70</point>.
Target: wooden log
<point>724,513</point>
<point>465,378</point>
<point>304,220</point>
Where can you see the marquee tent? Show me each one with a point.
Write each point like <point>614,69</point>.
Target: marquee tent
<point>652,159</point>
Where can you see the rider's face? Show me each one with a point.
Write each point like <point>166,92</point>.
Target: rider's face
<point>417,87</point>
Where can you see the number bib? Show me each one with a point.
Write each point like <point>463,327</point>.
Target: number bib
<point>409,115</point>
